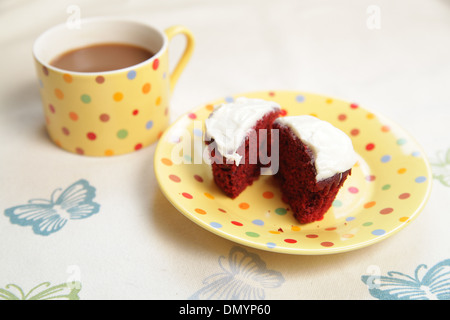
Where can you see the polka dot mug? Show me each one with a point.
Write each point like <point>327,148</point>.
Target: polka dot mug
<point>113,112</point>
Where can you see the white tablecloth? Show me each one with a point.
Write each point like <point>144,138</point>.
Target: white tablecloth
<point>390,56</point>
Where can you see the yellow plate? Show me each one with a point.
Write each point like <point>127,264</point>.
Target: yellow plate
<point>388,187</point>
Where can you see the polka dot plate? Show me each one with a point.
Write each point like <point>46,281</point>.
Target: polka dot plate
<point>388,187</point>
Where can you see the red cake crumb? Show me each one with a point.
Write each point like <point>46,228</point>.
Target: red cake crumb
<point>308,199</point>
<point>232,179</point>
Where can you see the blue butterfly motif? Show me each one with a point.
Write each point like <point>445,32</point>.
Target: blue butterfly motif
<point>433,284</point>
<point>48,216</point>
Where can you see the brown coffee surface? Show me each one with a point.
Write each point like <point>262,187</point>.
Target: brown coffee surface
<point>101,57</point>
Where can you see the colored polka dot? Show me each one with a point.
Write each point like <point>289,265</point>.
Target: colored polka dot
<point>65,131</point>
<point>158,101</point>
<point>146,88</point>
<point>403,219</point>
<point>416,154</point>
<point>209,107</point>
<point>330,229</point>
<point>267,195</point>
<point>118,96</point>
<point>386,187</point>
<point>166,161</point>
<point>73,116</point>
<point>385,158</point>
<point>85,98</point>
<point>290,240</point>
<point>367,224</point>
<point>327,244</point>
<point>295,228</point>
<point>378,232</point>
<point>91,136</point>
<point>236,223</point>
<point>354,106</point>
<point>215,225</point>
<point>354,132</point>
<point>283,112</point>
<point>109,152</point>
<point>300,98</point>
<point>187,195</point>
<point>420,179</point>
<point>198,132</point>
<point>274,232</point>
<point>131,74</point>
<point>174,178</point>
<point>401,170</point>
<point>135,112</point>
<point>329,101</point>
<point>59,94</point>
<point>271,245</point>
<point>222,210</point>
<point>229,99</point>
<point>104,117</point>
<point>138,146</point>
<point>52,108</point>
<point>385,129</point>
<point>244,205</point>
<point>79,151</point>
<point>149,125</point>
<point>401,141</point>
<point>370,146</point>
<point>337,203</point>
<point>348,235</point>
<point>370,116</point>
<point>370,178</point>
<point>369,204</point>
<point>67,78</point>
<point>155,64</point>
<point>252,234</point>
<point>45,70</point>
<point>258,222</point>
<point>122,134</point>
<point>280,211</point>
<point>386,210</point>
<point>100,79</point>
<point>198,178</point>
<point>342,117</point>
<point>404,196</point>
<point>209,196</point>
<point>353,190</point>
<point>200,211</point>
<point>192,116</point>
<point>312,236</point>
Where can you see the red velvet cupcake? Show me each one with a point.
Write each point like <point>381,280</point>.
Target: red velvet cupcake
<point>315,159</point>
<point>238,139</point>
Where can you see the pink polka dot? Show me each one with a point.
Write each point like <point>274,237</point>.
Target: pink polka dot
<point>354,132</point>
<point>370,178</point>
<point>327,244</point>
<point>353,190</point>
<point>192,116</point>
<point>155,64</point>
<point>79,151</point>
<point>100,79</point>
<point>187,195</point>
<point>65,131</point>
<point>45,70</point>
<point>312,236</point>
<point>52,108</point>
<point>342,117</point>
<point>104,117</point>
<point>174,178</point>
<point>386,210</point>
<point>198,178</point>
<point>91,136</point>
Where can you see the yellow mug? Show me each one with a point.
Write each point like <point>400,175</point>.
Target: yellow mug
<point>113,112</point>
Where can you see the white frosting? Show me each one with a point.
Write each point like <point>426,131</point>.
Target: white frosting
<point>230,123</point>
<point>332,148</point>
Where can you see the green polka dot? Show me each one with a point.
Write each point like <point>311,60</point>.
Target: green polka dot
<point>85,98</point>
<point>280,211</point>
<point>252,234</point>
<point>366,224</point>
<point>122,134</point>
<point>401,141</point>
<point>337,203</point>
<point>386,187</point>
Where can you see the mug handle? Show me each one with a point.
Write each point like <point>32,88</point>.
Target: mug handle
<point>170,33</point>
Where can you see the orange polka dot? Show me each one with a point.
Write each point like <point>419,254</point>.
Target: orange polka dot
<point>401,170</point>
<point>166,161</point>
<point>73,116</point>
<point>58,143</point>
<point>209,107</point>
<point>370,116</point>
<point>403,219</point>
<point>244,205</point>
<point>118,96</point>
<point>274,232</point>
<point>385,128</point>
<point>158,101</point>
<point>67,77</point>
<point>200,211</point>
<point>329,101</point>
<point>268,195</point>
<point>313,115</point>
<point>209,196</point>
<point>109,152</point>
<point>295,228</point>
<point>370,204</point>
<point>146,88</point>
<point>348,235</point>
<point>59,94</point>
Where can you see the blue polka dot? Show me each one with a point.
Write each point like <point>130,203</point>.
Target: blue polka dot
<point>164,75</point>
<point>350,218</point>
<point>149,125</point>
<point>385,158</point>
<point>198,132</point>
<point>270,245</point>
<point>215,225</point>
<point>41,84</point>
<point>300,98</point>
<point>416,154</point>
<point>131,74</point>
<point>258,222</point>
<point>229,99</point>
<point>378,232</point>
<point>420,179</point>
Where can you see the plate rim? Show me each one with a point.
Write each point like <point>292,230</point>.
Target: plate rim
<point>286,250</point>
